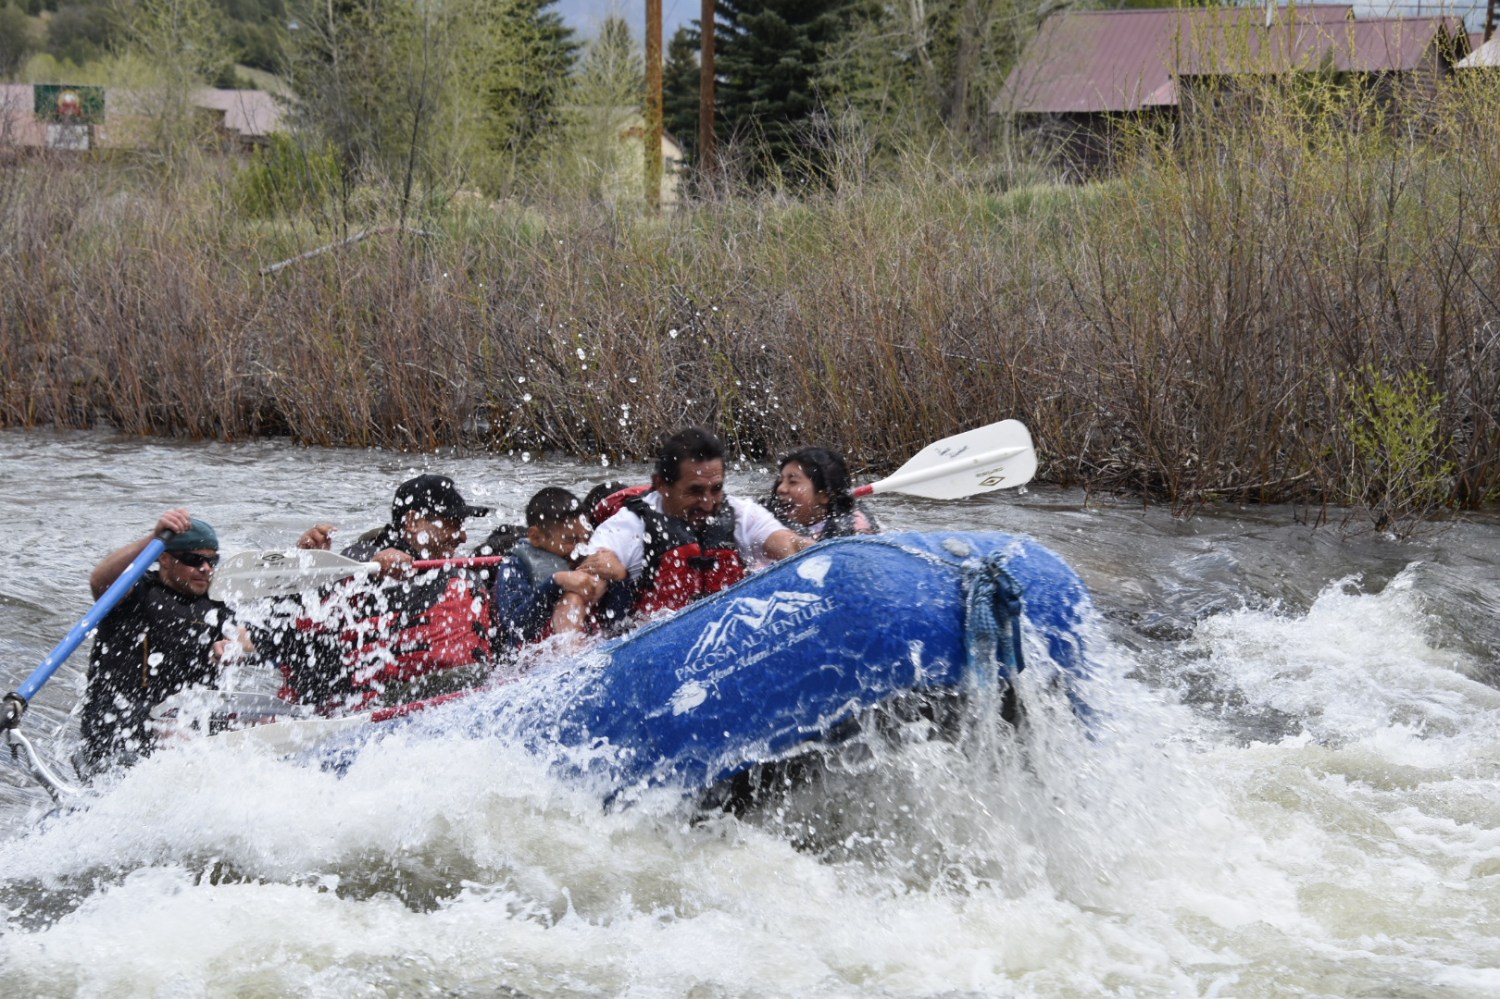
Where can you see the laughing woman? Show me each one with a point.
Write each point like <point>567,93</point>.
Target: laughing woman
<point>812,496</point>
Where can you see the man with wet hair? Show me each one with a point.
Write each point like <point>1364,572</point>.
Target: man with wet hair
<point>685,538</point>
<point>164,636</point>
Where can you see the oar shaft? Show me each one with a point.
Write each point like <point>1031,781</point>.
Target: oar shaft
<point>81,630</point>
<point>938,471</point>
<point>469,562</point>
<point>424,564</point>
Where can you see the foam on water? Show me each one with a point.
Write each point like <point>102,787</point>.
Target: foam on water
<point>1046,865</point>
<point>1293,800</point>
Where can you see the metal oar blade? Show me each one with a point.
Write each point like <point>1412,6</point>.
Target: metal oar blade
<point>254,575</point>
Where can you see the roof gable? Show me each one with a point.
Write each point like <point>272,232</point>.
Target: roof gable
<point>1112,61</point>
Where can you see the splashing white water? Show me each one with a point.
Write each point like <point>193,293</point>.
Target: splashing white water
<point>1292,802</point>
<point>1049,864</point>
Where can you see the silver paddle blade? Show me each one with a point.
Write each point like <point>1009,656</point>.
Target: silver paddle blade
<point>256,575</point>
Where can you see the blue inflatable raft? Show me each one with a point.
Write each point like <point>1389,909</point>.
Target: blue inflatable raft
<point>785,660</point>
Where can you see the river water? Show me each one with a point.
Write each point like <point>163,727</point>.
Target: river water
<point>1293,790</point>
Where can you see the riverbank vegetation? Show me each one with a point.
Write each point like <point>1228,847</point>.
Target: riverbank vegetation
<point>1294,301</point>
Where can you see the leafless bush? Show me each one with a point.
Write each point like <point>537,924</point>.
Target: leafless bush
<point>1185,330</point>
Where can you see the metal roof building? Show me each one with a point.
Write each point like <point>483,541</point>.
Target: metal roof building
<point>1099,62</point>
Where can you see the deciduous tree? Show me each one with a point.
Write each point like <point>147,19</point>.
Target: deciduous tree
<point>16,41</point>
<point>182,44</point>
<point>81,33</point>
<point>604,148</point>
<point>429,92</point>
<point>927,70</point>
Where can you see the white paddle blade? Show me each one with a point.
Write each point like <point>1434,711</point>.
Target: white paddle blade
<point>255,575</point>
<point>228,707</point>
<point>291,735</point>
<point>998,456</point>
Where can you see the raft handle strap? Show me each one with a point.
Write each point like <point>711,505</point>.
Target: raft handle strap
<point>992,632</point>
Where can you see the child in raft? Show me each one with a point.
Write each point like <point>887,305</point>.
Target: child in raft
<point>538,592</point>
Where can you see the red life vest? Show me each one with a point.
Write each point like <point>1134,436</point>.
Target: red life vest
<point>611,504</point>
<point>682,564</point>
<point>401,631</point>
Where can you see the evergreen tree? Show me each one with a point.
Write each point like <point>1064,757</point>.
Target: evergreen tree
<point>767,60</point>
<point>524,84</point>
<point>679,84</point>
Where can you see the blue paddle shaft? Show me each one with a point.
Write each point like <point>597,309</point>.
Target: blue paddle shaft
<point>134,571</point>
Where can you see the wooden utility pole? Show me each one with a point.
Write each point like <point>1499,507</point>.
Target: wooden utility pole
<point>653,104</point>
<point>1489,20</point>
<point>706,93</point>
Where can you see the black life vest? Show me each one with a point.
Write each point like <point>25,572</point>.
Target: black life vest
<point>682,564</point>
<point>153,644</point>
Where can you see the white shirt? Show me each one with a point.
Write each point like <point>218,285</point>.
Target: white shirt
<point>625,533</point>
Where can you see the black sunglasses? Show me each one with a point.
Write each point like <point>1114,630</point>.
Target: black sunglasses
<point>193,560</point>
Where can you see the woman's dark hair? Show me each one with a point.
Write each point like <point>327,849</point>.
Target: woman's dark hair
<point>827,472</point>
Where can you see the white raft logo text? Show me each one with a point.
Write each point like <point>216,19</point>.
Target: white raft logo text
<point>748,631</point>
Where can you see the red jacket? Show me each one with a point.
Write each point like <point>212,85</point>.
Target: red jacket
<point>683,564</point>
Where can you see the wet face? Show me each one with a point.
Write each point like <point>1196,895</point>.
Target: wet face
<point>804,503</point>
<point>696,494</point>
<point>188,572</point>
<point>560,540</point>
<point>433,535</point>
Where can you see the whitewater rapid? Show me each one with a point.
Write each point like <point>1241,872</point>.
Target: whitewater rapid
<point>1290,789</point>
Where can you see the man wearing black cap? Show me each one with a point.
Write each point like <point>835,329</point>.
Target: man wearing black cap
<point>427,522</point>
<point>163,636</point>
<point>415,625</point>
